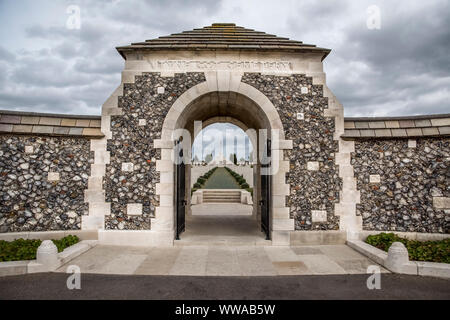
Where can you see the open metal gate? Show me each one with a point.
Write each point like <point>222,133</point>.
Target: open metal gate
<point>180,189</point>
<point>266,178</point>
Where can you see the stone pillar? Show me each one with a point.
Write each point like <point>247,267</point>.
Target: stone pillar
<point>47,255</point>
<point>398,260</point>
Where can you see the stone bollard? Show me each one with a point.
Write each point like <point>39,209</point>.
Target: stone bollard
<point>47,255</point>
<point>397,258</point>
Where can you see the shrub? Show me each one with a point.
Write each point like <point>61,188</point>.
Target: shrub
<point>245,185</point>
<point>434,251</point>
<point>197,185</point>
<point>65,242</point>
<point>201,180</point>
<point>21,249</point>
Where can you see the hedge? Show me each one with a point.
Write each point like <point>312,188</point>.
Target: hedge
<point>239,179</point>
<point>21,249</point>
<point>434,251</point>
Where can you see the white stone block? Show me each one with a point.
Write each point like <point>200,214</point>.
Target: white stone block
<point>312,165</point>
<point>283,224</point>
<point>53,176</point>
<point>433,269</point>
<point>319,216</point>
<point>164,165</point>
<point>29,149</point>
<point>374,178</point>
<point>127,167</point>
<point>346,171</point>
<point>142,122</point>
<point>304,90</point>
<point>161,90</point>
<point>94,196</point>
<point>441,202</point>
<point>102,157</point>
<point>134,209</point>
<point>99,209</point>
<point>164,188</point>
<point>412,143</point>
<point>95,183</point>
<point>92,222</point>
<point>98,170</point>
<point>281,238</point>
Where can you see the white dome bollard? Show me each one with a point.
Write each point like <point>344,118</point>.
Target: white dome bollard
<point>397,257</point>
<point>47,254</point>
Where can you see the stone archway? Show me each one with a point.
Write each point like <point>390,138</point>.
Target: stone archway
<point>223,83</point>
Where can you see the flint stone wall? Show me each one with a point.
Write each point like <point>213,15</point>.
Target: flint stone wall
<point>29,201</point>
<point>312,138</point>
<point>133,143</point>
<point>409,179</point>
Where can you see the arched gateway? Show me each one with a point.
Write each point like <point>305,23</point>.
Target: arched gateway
<point>327,179</point>
<point>257,80</point>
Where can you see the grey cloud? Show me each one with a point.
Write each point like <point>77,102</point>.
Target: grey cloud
<point>5,55</point>
<point>401,69</point>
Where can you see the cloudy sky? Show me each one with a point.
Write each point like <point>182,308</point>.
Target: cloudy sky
<point>403,68</point>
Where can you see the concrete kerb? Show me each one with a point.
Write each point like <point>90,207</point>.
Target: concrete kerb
<point>396,260</point>
<point>12,268</point>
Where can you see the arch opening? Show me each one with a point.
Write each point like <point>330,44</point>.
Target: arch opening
<point>217,208</point>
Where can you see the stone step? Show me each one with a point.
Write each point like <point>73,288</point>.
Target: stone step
<point>221,196</point>
<point>222,241</point>
<point>221,192</point>
<point>222,200</point>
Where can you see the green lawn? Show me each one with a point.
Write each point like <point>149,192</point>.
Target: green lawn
<point>221,179</point>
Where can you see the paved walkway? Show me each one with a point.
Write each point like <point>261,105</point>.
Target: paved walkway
<point>222,260</point>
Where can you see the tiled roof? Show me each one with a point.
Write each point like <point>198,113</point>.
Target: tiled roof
<point>222,36</point>
<point>12,122</point>
<point>397,127</point>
